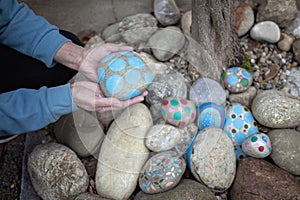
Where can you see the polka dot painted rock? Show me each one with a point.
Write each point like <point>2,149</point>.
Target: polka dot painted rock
<point>203,158</point>
<point>239,125</point>
<point>124,75</point>
<point>237,79</point>
<point>210,114</point>
<point>161,172</point>
<point>258,145</point>
<point>178,112</point>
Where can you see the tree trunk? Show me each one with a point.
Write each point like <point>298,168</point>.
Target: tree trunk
<point>215,44</point>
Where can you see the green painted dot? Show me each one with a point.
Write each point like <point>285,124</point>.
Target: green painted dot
<point>174,102</point>
<point>177,116</point>
<point>255,123</point>
<point>187,110</point>
<point>246,126</point>
<point>254,139</point>
<point>233,116</point>
<point>233,131</point>
<point>246,109</point>
<point>223,76</point>
<point>244,82</point>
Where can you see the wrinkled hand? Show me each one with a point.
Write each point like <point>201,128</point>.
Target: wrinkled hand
<point>88,96</point>
<point>91,58</point>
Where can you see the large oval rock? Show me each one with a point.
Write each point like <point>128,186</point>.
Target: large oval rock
<point>166,12</point>
<point>56,172</point>
<point>266,31</point>
<point>137,28</point>
<point>124,75</point>
<point>81,131</point>
<point>259,179</point>
<point>162,172</point>
<point>187,189</point>
<point>162,137</point>
<point>280,12</point>
<point>166,85</point>
<point>166,42</point>
<point>123,153</point>
<point>276,109</point>
<point>244,18</point>
<point>203,158</point>
<point>286,149</point>
<point>207,90</point>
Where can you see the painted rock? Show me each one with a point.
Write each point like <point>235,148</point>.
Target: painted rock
<point>237,79</point>
<point>162,137</point>
<point>239,125</point>
<point>124,75</point>
<point>210,114</point>
<point>258,145</point>
<point>276,109</point>
<point>203,158</point>
<point>178,112</point>
<point>162,172</point>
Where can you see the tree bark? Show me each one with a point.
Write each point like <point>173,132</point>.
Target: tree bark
<point>214,45</point>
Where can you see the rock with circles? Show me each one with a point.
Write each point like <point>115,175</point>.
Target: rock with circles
<point>257,145</point>
<point>124,75</point>
<point>239,125</point>
<point>162,172</point>
<point>178,112</point>
<point>237,79</point>
<point>210,114</point>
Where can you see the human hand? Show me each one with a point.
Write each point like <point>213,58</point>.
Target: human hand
<point>87,95</point>
<point>90,58</point>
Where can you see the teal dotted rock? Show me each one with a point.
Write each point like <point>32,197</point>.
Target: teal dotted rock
<point>124,75</point>
<point>237,79</point>
<point>178,112</point>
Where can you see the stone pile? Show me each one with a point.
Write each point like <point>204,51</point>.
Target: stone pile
<point>193,137</point>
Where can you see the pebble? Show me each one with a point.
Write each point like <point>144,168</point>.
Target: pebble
<point>138,28</point>
<point>276,109</point>
<point>210,114</point>
<point>257,145</point>
<point>178,112</point>
<point>244,98</point>
<point>166,43</point>
<point>186,22</point>
<point>266,31</point>
<point>162,137</point>
<point>285,44</point>
<point>207,90</point>
<point>203,158</point>
<point>239,125</point>
<point>56,172</point>
<point>257,177</point>
<point>237,79</point>
<point>293,82</point>
<point>166,12</point>
<point>166,85</point>
<point>296,50</point>
<point>111,33</point>
<point>123,153</point>
<point>80,131</point>
<point>286,150</point>
<point>124,75</point>
<point>161,172</point>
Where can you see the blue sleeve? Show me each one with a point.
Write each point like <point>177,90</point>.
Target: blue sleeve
<point>26,110</point>
<point>28,33</point>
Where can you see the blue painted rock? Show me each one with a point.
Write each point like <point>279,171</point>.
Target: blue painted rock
<point>178,112</point>
<point>210,114</point>
<point>239,125</point>
<point>161,172</point>
<point>203,158</point>
<point>257,145</point>
<point>124,75</point>
<point>237,79</point>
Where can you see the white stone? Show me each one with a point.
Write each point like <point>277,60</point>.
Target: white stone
<point>266,31</point>
<point>123,153</point>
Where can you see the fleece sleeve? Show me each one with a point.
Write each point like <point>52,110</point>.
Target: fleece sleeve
<point>28,33</point>
<point>26,110</point>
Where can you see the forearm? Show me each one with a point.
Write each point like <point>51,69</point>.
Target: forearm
<point>70,55</point>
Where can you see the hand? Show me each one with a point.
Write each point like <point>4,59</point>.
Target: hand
<point>91,58</point>
<point>88,96</point>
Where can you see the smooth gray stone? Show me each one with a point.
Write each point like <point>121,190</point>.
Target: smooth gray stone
<point>266,31</point>
<point>244,98</point>
<point>186,22</point>
<point>247,19</point>
<point>111,33</point>
<point>187,189</point>
<point>286,149</point>
<point>89,196</point>
<point>166,12</point>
